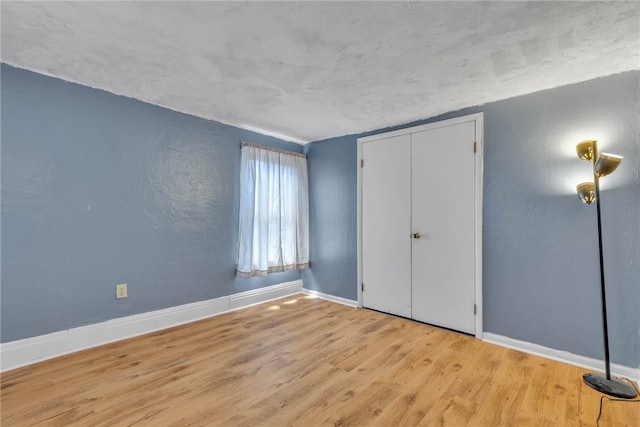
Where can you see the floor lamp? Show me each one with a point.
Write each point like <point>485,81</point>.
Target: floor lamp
<point>603,165</point>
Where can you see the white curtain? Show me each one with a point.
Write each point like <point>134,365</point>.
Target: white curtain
<point>274,212</point>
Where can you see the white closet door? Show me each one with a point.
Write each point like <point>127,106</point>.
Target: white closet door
<point>386,225</point>
<point>443,212</point>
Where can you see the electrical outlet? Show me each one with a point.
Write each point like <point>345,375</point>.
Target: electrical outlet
<point>121,291</point>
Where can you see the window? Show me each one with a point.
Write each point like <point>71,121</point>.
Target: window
<point>274,212</point>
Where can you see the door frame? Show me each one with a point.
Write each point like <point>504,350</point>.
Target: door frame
<point>478,118</point>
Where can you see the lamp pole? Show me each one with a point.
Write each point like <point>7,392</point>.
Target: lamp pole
<point>603,296</point>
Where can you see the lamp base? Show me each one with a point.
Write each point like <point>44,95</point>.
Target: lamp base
<point>612,387</point>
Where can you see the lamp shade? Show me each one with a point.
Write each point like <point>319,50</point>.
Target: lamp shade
<point>584,149</point>
<point>586,192</point>
<point>607,163</point>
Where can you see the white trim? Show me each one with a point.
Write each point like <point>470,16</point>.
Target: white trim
<point>562,356</point>
<point>478,118</point>
<point>359,223</point>
<point>428,126</point>
<point>479,190</point>
<point>24,352</point>
<point>258,296</point>
<point>332,298</point>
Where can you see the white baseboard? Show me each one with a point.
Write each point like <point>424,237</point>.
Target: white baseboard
<point>15,354</point>
<point>332,298</point>
<point>562,356</point>
<point>258,296</point>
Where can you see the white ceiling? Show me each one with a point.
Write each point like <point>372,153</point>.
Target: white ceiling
<point>306,71</point>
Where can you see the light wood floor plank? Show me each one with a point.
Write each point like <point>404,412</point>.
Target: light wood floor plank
<point>301,361</point>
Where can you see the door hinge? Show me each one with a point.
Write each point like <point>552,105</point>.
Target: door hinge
<point>475,147</point>
<point>362,287</point>
<point>361,163</point>
<point>475,309</point>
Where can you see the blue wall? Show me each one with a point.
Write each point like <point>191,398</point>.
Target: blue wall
<point>540,278</point>
<point>332,216</point>
<point>98,190</point>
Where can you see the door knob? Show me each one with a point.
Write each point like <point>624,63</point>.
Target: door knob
<point>416,235</point>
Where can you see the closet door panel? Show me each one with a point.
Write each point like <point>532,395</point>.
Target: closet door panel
<point>386,225</point>
<point>443,212</point>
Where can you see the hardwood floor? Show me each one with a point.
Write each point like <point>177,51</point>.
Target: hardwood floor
<point>306,362</point>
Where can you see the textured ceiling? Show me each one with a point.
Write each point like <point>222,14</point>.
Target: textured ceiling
<point>306,71</point>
